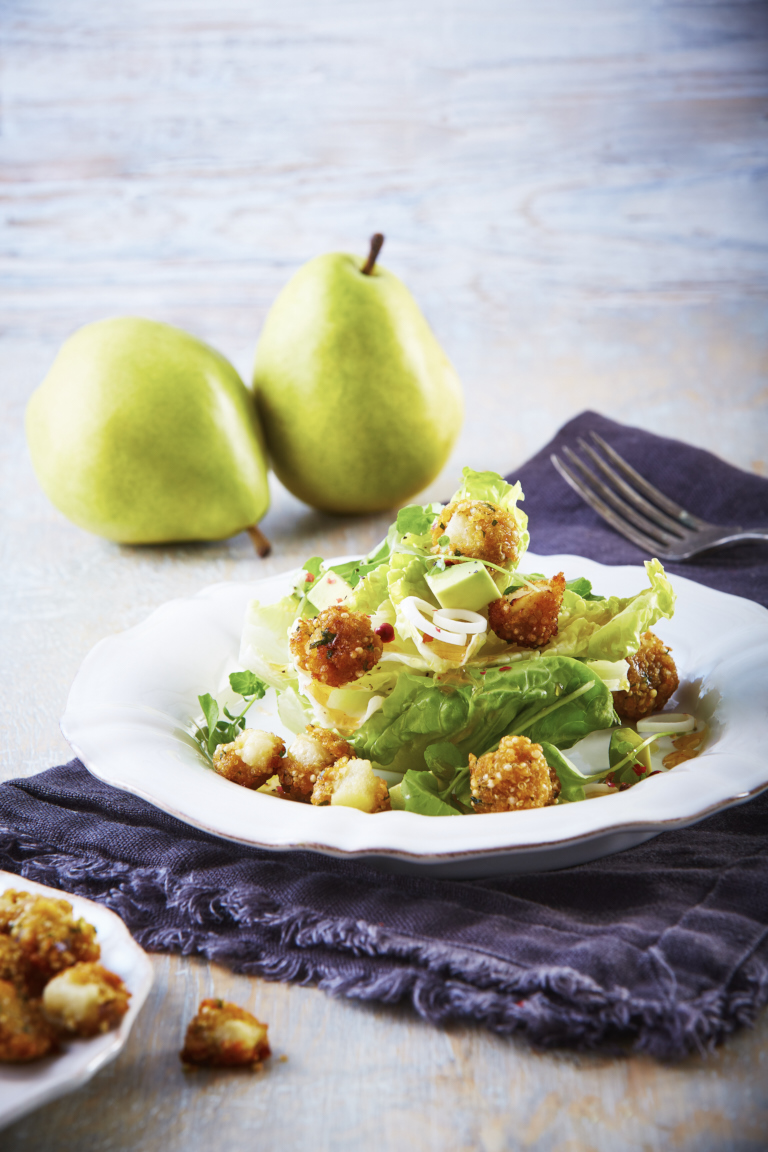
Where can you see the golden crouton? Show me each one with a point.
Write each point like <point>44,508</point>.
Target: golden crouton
<point>250,759</point>
<point>652,679</point>
<point>353,784</point>
<point>224,1034</point>
<point>515,776</point>
<point>48,934</point>
<point>85,999</point>
<point>337,646</point>
<point>477,529</point>
<point>310,753</point>
<point>528,617</point>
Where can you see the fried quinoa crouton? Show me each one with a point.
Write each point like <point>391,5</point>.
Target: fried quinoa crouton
<point>528,617</point>
<point>337,646</point>
<point>353,784</point>
<point>477,529</point>
<point>48,934</point>
<point>85,999</point>
<point>308,755</point>
<point>515,776</point>
<point>25,1034</point>
<point>652,679</point>
<point>224,1034</point>
<point>250,759</point>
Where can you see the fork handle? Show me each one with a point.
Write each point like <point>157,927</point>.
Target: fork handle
<point>735,534</point>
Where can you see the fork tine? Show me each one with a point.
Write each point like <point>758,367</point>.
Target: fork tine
<point>687,519</point>
<point>602,509</point>
<point>651,512</point>
<point>648,527</point>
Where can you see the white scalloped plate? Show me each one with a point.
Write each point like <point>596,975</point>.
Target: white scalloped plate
<point>130,707</point>
<point>24,1087</point>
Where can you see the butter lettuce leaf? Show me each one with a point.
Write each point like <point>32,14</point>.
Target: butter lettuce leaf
<point>264,647</point>
<point>612,628</point>
<point>551,698</point>
<point>371,592</point>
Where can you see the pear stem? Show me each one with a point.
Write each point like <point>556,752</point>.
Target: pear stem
<point>376,242</point>
<point>260,542</point>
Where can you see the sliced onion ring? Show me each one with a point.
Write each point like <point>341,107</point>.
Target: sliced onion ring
<point>671,722</point>
<point>460,620</point>
<point>413,608</point>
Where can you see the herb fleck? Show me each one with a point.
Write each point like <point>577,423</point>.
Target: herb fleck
<point>326,637</point>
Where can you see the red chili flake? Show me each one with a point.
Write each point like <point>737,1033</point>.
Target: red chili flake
<point>386,632</point>
<point>520,1003</point>
<point>427,639</point>
<point>309,578</point>
<point>656,773</point>
<point>506,668</point>
<point>483,671</point>
<point>638,769</point>
<point>279,789</point>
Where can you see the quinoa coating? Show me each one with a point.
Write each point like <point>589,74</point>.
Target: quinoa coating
<point>353,784</point>
<point>11,904</point>
<point>25,1034</point>
<point>224,1034</point>
<point>528,618</point>
<point>250,759</point>
<point>652,679</point>
<point>14,965</point>
<point>306,758</point>
<point>337,646</point>
<point>49,935</point>
<point>478,529</point>
<point>515,776</point>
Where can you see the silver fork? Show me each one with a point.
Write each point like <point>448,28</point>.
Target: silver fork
<point>641,512</point>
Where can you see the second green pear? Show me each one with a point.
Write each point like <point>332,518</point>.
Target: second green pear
<point>359,403</point>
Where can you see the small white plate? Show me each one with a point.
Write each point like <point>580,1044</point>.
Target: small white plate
<point>24,1087</point>
<point>129,712</point>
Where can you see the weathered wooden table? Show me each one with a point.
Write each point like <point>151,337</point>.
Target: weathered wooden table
<point>575,193</point>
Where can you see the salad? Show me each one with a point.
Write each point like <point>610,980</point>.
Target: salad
<point>439,676</point>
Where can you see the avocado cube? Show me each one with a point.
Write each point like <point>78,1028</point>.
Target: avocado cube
<point>464,586</point>
<point>329,591</point>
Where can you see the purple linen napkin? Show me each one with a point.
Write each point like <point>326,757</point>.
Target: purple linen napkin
<point>663,947</point>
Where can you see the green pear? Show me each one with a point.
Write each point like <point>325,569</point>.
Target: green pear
<point>143,434</point>
<point>359,403</point>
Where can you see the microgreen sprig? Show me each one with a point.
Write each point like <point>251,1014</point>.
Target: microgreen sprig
<point>218,730</point>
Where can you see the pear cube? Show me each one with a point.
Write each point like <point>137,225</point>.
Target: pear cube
<point>329,591</point>
<point>464,586</point>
